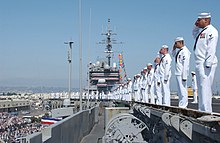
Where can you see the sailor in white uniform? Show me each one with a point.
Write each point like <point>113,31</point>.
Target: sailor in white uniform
<point>157,82</point>
<point>125,91</point>
<point>137,88</point>
<point>206,38</point>
<point>150,82</point>
<point>194,87</point>
<point>182,59</point>
<point>165,74</point>
<point>120,92</point>
<point>144,86</point>
<point>129,89</point>
<point>142,82</point>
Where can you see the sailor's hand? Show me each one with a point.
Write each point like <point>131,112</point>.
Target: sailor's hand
<point>196,23</point>
<point>174,46</point>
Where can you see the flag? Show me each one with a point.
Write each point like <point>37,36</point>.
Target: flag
<point>49,120</point>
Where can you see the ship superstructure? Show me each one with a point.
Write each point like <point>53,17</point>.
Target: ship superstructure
<point>104,74</point>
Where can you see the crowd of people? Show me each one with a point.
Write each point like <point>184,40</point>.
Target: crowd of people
<point>152,84</point>
<point>13,128</point>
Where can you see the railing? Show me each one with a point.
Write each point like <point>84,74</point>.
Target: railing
<point>70,130</point>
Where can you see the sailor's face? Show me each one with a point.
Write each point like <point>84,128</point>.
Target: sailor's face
<point>161,51</point>
<point>157,60</point>
<point>178,44</point>
<point>149,67</point>
<point>201,22</point>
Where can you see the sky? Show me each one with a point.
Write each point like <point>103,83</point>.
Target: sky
<point>33,32</point>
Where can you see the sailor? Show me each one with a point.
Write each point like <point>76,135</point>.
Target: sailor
<point>115,94</point>
<point>92,94</point>
<point>134,88</point>
<point>150,82</point>
<point>206,38</point>
<point>137,87</point>
<point>182,59</point>
<point>118,95</point>
<point>143,84</point>
<point>194,87</point>
<point>126,91</point>
<point>157,85</point>
<point>165,74</point>
<point>129,89</point>
<point>120,92</point>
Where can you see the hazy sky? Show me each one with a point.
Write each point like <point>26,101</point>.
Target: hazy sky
<point>32,35</point>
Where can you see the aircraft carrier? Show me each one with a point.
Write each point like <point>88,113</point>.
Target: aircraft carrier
<point>104,75</point>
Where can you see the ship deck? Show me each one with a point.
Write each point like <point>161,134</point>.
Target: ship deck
<point>95,136</point>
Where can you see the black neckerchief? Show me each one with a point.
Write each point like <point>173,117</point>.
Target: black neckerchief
<point>178,54</point>
<point>161,59</point>
<point>198,38</point>
<point>156,67</point>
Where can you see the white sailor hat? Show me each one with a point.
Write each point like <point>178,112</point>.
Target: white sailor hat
<point>179,39</point>
<point>129,78</point>
<point>193,72</point>
<point>138,74</point>
<point>149,64</point>
<point>164,46</point>
<point>204,15</point>
<point>145,68</point>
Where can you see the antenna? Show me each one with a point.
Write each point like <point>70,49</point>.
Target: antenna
<point>69,59</point>
<point>108,42</point>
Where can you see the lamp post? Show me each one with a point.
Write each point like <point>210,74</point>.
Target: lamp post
<point>67,101</point>
<point>90,22</point>
<point>80,53</point>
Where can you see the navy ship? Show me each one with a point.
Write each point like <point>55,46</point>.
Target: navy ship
<point>104,74</point>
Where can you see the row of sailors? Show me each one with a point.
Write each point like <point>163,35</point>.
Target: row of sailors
<point>152,84</point>
<point>157,81</point>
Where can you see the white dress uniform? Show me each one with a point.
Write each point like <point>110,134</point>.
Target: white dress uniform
<point>182,59</point>
<point>135,87</point>
<point>206,62</point>
<point>143,84</point>
<point>195,89</point>
<point>165,74</point>
<point>157,88</point>
<point>150,83</point>
<point>129,91</point>
<point>126,92</point>
<point>120,92</point>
